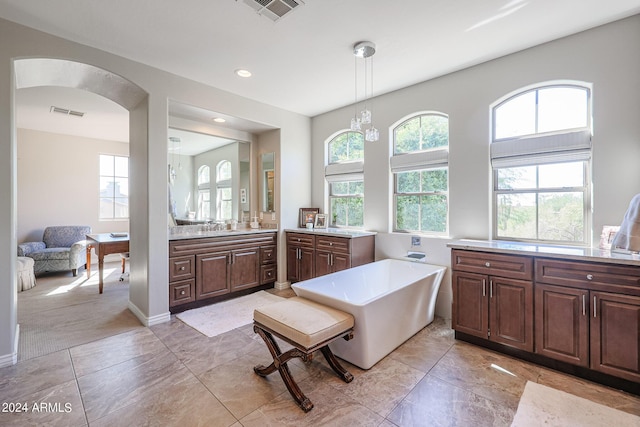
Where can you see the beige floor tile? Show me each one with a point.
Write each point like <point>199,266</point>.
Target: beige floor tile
<point>434,402</point>
<point>380,388</point>
<point>239,388</point>
<point>486,373</point>
<point>129,383</point>
<point>427,347</point>
<point>30,376</point>
<point>140,344</point>
<point>331,408</point>
<point>202,353</point>
<point>183,404</point>
<point>59,405</point>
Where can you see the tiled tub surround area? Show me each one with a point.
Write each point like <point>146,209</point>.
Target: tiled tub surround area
<point>573,309</point>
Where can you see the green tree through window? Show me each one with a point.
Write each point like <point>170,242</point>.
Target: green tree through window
<point>421,194</point>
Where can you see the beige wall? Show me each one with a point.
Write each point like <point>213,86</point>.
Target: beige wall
<point>58,182</point>
<point>607,56</point>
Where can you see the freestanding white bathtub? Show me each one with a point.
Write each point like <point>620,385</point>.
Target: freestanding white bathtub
<point>390,300</point>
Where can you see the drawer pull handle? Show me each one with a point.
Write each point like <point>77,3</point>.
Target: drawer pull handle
<point>584,305</point>
<point>594,307</point>
<point>182,292</point>
<point>484,287</point>
<point>589,276</point>
<point>487,264</point>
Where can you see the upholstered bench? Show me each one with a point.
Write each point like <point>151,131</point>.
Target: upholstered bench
<point>307,326</point>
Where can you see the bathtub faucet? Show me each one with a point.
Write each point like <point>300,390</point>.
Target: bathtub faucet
<point>417,256</point>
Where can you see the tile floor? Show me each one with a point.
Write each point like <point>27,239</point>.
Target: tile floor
<point>171,375</point>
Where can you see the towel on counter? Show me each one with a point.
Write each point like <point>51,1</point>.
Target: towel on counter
<point>628,237</point>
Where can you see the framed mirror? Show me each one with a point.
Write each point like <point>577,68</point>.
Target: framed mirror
<point>209,177</point>
<point>267,182</point>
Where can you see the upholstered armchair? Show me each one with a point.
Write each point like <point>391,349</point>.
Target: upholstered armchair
<point>62,248</point>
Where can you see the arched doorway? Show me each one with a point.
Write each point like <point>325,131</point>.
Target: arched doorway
<point>36,72</point>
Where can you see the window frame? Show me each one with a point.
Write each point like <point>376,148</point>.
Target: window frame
<point>428,159</point>
<point>223,183</point>
<point>344,171</point>
<point>204,188</point>
<point>569,145</point>
<point>113,198</point>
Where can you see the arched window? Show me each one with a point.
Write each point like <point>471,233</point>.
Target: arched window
<point>223,189</point>
<point>345,176</point>
<point>540,154</point>
<point>420,167</point>
<point>204,193</point>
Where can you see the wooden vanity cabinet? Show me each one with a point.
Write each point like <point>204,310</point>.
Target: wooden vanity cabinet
<point>310,255</point>
<point>300,256</point>
<point>493,297</point>
<point>210,267</point>
<point>332,254</point>
<point>588,314</point>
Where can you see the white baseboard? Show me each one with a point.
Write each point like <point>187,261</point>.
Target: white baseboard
<point>149,321</point>
<point>282,285</point>
<point>11,358</point>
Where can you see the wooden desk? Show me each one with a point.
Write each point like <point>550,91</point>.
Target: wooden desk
<point>104,244</point>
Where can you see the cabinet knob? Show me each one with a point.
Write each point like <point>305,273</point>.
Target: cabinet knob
<point>298,240</point>
<point>182,292</point>
<point>182,268</point>
<point>330,243</point>
<point>589,276</point>
<point>269,274</point>
<point>487,264</point>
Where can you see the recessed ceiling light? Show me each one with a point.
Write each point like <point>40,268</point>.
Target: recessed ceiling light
<point>243,73</point>
<point>219,120</point>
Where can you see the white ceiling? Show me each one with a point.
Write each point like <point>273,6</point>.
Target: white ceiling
<point>304,62</point>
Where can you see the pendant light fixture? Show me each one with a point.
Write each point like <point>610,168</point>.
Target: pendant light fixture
<point>365,51</point>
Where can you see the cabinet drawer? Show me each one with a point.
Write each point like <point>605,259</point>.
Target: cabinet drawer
<point>267,254</point>
<point>333,244</point>
<point>511,266</point>
<point>182,292</point>
<point>267,274</point>
<point>301,239</point>
<point>181,268</point>
<point>588,275</point>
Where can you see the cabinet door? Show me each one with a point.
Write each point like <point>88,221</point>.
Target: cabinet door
<point>293,263</point>
<point>306,268</point>
<point>470,313</point>
<point>562,324</point>
<point>340,261</point>
<point>323,263</point>
<point>511,311</point>
<point>615,335</point>
<point>245,268</point>
<point>212,276</point>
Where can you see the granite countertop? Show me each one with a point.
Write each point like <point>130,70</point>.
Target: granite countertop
<point>548,251</point>
<point>198,231</point>
<point>342,232</point>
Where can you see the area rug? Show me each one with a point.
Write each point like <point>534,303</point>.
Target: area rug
<point>545,406</point>
<point>225,316</point>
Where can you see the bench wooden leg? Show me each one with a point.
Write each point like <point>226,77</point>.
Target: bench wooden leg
<point>335,365</point>
<point>280,364</point>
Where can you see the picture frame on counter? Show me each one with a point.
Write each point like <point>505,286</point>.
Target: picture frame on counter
<point>308,216</point>
<point>321,221</point>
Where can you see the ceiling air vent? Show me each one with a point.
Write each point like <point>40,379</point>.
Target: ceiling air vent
<point>66,111</point>
<point>274,9</point>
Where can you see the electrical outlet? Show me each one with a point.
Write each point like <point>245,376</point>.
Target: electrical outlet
<point>261,215</point>
<point>415,241</point>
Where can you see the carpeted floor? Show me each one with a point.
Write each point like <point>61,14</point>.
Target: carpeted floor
<point>63,311</point>
<point>545,406</point>
<point>225,316</point>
